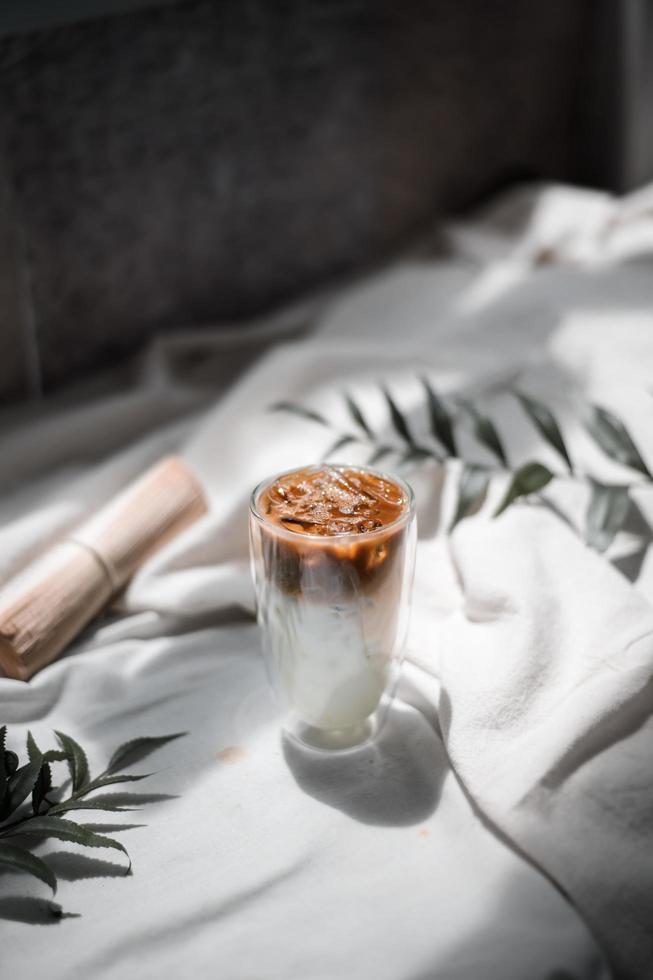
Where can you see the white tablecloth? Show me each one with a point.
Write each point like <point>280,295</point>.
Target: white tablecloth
<point>529,658</point>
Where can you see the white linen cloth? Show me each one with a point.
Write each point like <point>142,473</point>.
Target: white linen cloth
<point>529,659</point>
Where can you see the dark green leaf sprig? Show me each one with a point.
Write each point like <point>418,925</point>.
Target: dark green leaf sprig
<point>31,807</point>
<point>608,504</point>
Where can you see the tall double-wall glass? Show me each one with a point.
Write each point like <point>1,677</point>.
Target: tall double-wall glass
<point>333,571</point>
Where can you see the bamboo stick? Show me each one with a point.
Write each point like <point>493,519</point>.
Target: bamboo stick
<point>44,607</point>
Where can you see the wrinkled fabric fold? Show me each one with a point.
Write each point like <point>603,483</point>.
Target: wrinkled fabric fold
<point>546,711</point>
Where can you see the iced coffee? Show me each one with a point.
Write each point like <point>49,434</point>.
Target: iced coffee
<point>332,555</point>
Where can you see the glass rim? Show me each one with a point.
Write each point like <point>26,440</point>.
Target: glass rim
<point>403,519</point>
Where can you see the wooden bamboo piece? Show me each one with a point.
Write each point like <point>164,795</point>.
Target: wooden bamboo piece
<point>44,607</point>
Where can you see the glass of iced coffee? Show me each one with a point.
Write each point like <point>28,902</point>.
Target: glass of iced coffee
<point>333,553</point>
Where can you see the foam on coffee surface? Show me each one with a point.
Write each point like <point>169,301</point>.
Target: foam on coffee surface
<point>331,500</point>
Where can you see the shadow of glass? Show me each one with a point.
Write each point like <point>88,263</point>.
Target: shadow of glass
<point>33,911</point>
<point>394,782</point>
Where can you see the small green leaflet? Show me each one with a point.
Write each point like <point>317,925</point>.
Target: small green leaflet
<point>612,436</point>
<point>441,420</point>
<point>18,859</point>
<point>8,769</point>
<point>42,786</point>
<point>305,413</point>
<point>399,422</point>
<point>546,424</point>
<point>43,783</point>
<point>66,830</point>
<point>357,415</point>
<point>137,749</point>
<point>606,514</point>
<point>528,479</point>
<point>472,489</point>
<point>25,777</point>
<point>77,761</point>
<point>485,432</point>
<point>101,781</point>
<point>97,804</point>
<point>34,753</point>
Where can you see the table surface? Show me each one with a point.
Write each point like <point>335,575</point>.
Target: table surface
<point>259,860</point>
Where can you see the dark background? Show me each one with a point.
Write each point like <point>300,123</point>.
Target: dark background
<point>167,164</point>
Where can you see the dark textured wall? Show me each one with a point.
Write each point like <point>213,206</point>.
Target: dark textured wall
<point>211,160</point>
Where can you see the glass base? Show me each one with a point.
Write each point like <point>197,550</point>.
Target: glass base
<point>335,739</point>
